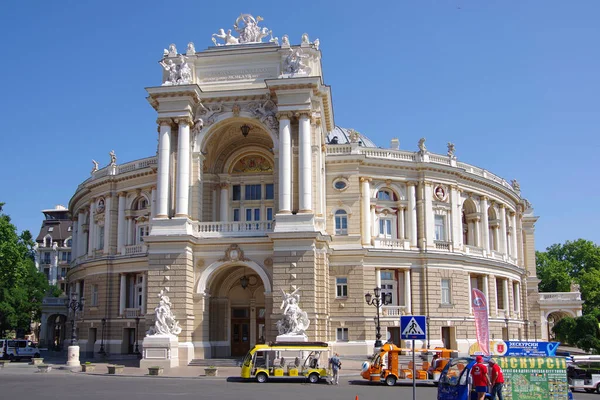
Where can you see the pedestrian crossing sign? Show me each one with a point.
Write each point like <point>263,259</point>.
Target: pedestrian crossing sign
<point>413,327</point>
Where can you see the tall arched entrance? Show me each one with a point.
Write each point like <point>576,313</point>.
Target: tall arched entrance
<point>237,306</point>
<point>56,331</point>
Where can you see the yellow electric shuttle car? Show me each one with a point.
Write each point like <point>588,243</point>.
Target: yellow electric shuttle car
<point>287,360</point>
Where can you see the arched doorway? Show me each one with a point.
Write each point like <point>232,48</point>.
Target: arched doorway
<point>237,306</point>
<point>56,331</point>
<point>552,319</point>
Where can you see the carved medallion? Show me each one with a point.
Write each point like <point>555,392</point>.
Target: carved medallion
<point>440,193</point>
<point>234,253</point>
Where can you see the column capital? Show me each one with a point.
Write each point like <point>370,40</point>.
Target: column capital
<point>501,206</point>
<point>428,183</point>
<point>284,115</point>
<point>153,187</point>
<point>224,185</point>
<point>108,195</point>
<point>483,198</point>
<point>412,183</point>
<point>365,179</point>
<point>122,194</point>
<point>184,121</point>
<point>164,121</point>
<point>300,114</point>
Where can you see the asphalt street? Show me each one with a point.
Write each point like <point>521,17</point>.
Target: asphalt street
<point>32,385</point>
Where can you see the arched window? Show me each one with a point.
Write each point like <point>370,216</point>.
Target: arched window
<point>48,241</point>
<point>68,242</point>
<point>493,227</point>
<point>470,221</point>
<point>141,204</point>
<point>341,222</point>
<point>386,195</point>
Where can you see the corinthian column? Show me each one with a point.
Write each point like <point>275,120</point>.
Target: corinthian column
<point>91,229</point>
<point>412,214</point>
<point>285,164</point>
<point>485,228</point>
<point>107,223</point>
<point>224,202</point>
<point>121,222</point>
<point>183,168</point>
<point>366,210</point>
<point>164,155</point>
<point>502,229</point>
<point>304,164</point>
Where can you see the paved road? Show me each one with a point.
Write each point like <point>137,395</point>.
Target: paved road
<point>29,385</point>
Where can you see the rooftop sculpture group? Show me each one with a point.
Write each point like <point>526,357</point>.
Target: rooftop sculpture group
<point>247,27</point>
<point>179,74</point>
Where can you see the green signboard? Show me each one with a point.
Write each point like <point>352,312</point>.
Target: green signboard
<point>534,378</point>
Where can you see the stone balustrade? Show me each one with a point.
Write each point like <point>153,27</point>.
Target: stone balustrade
<point>393,311</point>
<point>233,229</point>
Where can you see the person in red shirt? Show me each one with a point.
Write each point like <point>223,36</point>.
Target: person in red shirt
<point>497,380</point>
<point>479,373</point>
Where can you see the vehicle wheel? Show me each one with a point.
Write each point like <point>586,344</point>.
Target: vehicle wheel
<point>313,378</point>
<point>261,377</point>
<point>590,390</point>
<point>598,389</point>
<point>390,380</point>
<point>36,355</point>
<point>11,357</point>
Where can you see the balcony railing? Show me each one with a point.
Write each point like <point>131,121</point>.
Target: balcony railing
<point>557,297</point>
<point>474,251</point>
<point>400,244</point>
<point>131,312</point>
<point>134,249</point>
<point>233,229</point>
<point>55,301</point>
<point>442,245</point>
<point>393,311</point>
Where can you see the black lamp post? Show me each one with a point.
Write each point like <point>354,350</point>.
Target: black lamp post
<point>506,324</point>
<point>102,337</point>
<point>75,306</point>
<point>535,330</point>
<point>526,330</point>
<point>378,301</point>
<point>137,328</point>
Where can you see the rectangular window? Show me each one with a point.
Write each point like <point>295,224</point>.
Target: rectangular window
<point>500,295</point>
<point>237,193</point>
<point>94,301</point>
<point>342,334</point>
<point>253,192</point>
<point>46,258</point>
<point>445,291</point>
<point>248,214</point>
<point>100,238</point>
<point>386,275</point>
<point>69,257</point>
<point>64,256</point>
<point>341,287</point>
<point>440,228</point>
<point>236,214</point>
<point>269,194</point>
<point>269,214</point>
<point>257,214</point>
<point>385,227</point>
<point>341,223</point>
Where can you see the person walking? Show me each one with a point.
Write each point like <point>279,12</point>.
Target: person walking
<point>481,381</point>
<point>497,380</point>
<point>335,364</point>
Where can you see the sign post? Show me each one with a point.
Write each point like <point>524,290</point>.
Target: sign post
<point>413,327</point>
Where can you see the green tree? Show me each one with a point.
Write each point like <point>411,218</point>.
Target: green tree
<point>581,255</point>
<point>553,273</point>
<point>22,287</point>
<point>563,329</point>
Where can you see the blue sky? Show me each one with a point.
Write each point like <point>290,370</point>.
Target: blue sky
<point>514,84</point>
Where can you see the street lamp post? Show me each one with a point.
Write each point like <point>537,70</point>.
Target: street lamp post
<point>526,330</point>
<point>102,338</point>
<point>378,300</point>
<point>74,306</point>
<point>535,330</point>
<point>506,325</point>
<point>137,328</point>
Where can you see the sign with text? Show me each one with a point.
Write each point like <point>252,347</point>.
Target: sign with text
<point>534,378</point>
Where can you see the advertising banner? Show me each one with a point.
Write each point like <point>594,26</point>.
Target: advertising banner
<point>480,313</point>
<point>534,378</point>
<point>520,348</point>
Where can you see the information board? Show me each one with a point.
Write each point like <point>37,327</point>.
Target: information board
<point>534,378</point>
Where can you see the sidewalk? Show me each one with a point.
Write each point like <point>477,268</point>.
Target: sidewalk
<point>350,368</point>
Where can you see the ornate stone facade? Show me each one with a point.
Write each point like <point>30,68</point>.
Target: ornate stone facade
<point>256,192</point>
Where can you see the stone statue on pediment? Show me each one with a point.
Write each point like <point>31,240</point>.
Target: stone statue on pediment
<point>191,49</point>
<point>171,69</point>
<point>294,62</point>
<point>113,157</point>
<point>95,167</point>
<point>247,28</point>
<point>515,185</point>
<point>227,37</point>
<point>422,147</point>
<point>171,52</point>
<point>317,43</point>
<point>185,72</point>
<point>451,150</point>
<point>285,41</point>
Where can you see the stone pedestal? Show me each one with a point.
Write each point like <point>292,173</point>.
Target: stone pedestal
<point>291,338</point>
<point>73,356</point>
<point>160,351</point>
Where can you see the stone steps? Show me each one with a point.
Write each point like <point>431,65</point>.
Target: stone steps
<point>217,362</point>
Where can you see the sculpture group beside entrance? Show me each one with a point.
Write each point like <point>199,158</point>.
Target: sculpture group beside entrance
<point>295,322</point>
<point>161,345</point>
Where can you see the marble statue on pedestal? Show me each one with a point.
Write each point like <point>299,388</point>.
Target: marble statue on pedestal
<point>294,321</point>
<point>422,147</point>
<point>95,167</point>
<point>165,322</point>
<point>451,150</point>
<point>294,63</point>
